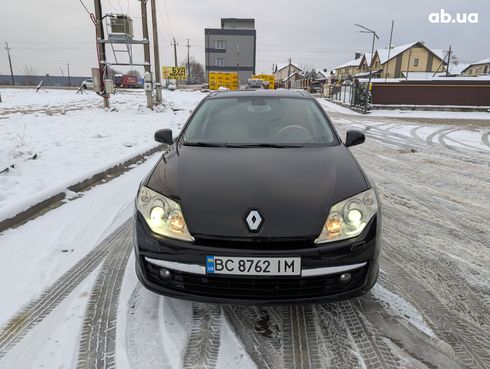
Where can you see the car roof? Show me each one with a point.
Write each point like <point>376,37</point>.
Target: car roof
<point>260,92</point>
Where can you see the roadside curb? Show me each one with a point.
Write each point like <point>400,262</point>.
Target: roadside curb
<point>56,200</point>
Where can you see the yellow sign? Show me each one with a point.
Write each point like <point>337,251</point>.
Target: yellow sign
<point>174,73</point>
<point>267,78</point>
<point>222,79</point>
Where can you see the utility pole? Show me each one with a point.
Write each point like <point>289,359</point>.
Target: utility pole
<point>289,73</point>
<point>408,67</point>
<point>156,56</point>
<point>389,47</point>
<point>448,60</point>
<point>99,31</point>
<point>175,43</point>
<point>188,63</point>
<point>146,50</point>
<point>69,78</point>
<point>368,89</point>
<point>238,65</point>
<point>10,63</point>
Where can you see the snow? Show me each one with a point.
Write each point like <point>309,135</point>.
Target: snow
<point>398,113</point>
<point>400,307</point>
<point>350,63</point>
<point>483,61</point>
<point>54,242</point>
<point>56,351</point>
<point>56,139</point>
<point>50,245</point>
<point>128,285</point>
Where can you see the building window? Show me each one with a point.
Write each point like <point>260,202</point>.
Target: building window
<point>486,69</point>
<point>219,62</point>
<point>220,44</point>
<point>416,62</point>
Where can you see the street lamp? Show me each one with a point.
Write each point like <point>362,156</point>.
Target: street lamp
<point>375,36</point>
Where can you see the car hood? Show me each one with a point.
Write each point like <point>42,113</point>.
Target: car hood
<point>292,188</point>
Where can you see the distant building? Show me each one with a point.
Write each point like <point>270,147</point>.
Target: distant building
<point>477,68</point>
<point>349,69</point>
<point>393,63</point>
<point>413,57</point>
<point>321,75</point>
<point>280,72</point>
<point>235,40</point>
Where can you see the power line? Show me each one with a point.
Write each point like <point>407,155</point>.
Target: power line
<point>164,22</point>
<point>86,9</point>
<point>166,13</point>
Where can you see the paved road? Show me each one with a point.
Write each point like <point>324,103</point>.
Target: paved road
<point>430,309</point>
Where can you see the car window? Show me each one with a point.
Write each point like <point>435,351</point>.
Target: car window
<point>259,120</point>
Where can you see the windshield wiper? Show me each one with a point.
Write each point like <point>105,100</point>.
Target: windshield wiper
<point>203,144</point>
<point>265,145</point>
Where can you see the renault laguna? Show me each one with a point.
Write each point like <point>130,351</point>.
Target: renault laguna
<point>257,201</point>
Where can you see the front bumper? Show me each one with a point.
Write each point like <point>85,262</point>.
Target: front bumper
<point>321,267</point>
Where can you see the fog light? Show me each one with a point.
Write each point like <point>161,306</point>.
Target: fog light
<point>165,275</point>
<point>345,278</point>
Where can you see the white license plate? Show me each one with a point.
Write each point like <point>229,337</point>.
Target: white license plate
<point>253,265</point>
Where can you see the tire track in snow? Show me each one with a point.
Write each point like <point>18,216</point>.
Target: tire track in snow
<point>370,344</point>
<point>429,262</point>
<point>470,345</point>
<point>444,137</point>
<point>260,331</point>
<point>204,342</point>
<point>335,341</point>
<point>98,342</point>
<point>31,315</point>
<point>144,343</point>
<point>485,138</point>
<point>300,338</point>
<point>432,273</point>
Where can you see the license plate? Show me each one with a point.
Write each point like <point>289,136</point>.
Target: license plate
<point>253,265</point>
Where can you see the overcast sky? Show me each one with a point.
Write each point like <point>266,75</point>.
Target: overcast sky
<point>46,34</point>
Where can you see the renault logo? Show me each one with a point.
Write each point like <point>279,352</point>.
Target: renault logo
<point>254,221</point>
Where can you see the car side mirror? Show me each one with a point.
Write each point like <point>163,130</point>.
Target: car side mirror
<point>354,137</point>
<point>164,136</point>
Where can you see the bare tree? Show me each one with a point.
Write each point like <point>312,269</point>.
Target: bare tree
<point>134,72</point>
<point>196,70</point>
<point>30,75</point>
<point>306,67</point>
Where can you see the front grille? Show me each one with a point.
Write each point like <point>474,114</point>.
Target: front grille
<point>256,243</point>
<point>259,288</point>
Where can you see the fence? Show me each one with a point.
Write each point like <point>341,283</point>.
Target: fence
<point>344,94</point>
<point>453,92</point>
<point>54,81</point>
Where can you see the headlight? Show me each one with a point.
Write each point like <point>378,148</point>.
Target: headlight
<point>348,218</point>
<point>162,215</point>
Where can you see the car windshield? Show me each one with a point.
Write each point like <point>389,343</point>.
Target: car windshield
<point>259,121</point>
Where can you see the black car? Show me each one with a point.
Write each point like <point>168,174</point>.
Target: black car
<point>257,201</point>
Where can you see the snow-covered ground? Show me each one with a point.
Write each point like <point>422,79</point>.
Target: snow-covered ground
<point>51,140</point>
<point>429,310</point>
<point>397,113</point>
<point>50,245</point>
